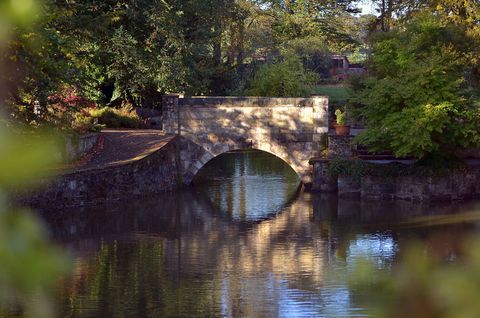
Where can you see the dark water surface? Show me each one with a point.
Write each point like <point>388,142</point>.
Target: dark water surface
<point>242,243</point>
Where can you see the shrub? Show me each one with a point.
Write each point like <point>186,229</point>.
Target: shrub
<point>282,79</point>
<point>123,117</point>
<point>83,123</point>
<point>312,51</point>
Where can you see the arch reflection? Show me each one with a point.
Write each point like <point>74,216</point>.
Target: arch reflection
<point>249,185</point>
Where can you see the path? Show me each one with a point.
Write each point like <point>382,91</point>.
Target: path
<point>121,146</point>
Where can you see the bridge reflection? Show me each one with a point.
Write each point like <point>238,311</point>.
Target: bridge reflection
<point>175,256</point>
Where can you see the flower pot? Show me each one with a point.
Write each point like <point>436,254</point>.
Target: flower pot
<point>342,130</point>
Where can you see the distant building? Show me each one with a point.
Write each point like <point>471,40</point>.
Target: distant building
<point>341,68</point>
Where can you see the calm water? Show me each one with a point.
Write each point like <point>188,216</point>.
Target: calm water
<point>244,242</point>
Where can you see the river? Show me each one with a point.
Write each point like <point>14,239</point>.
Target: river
<point>244,241</point>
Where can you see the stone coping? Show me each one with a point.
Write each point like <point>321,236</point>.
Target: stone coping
<point>215,101</point>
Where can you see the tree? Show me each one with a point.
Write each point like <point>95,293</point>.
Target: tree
<point>417,102</point>
<point>132,51</point>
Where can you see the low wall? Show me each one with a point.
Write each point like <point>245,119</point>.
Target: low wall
<point>77,146</point>
<point>156,173</point>
<point>454,185</point>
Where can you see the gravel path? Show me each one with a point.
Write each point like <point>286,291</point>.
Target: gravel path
<point>121,146</point>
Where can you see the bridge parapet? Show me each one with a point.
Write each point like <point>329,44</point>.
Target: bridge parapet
<point>293,129</point>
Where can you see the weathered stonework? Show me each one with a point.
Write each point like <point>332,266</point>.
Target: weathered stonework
<point>170,114</point>
<point>348,187</point>
<point>158,172</point>
<point>449,187</point>
<point>292,129</point>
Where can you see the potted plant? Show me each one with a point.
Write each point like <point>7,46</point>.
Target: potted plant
<point>341,127</point>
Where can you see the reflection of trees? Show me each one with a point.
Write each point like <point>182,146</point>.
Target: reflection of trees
<point>176,257</point>
<point>131,280</point>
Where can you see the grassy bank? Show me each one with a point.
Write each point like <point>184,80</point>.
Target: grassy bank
<point>336,93</point>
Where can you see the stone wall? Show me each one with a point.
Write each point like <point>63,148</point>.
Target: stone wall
<point>451,186</point>
<point>293,129</point>
<point>156,173</point>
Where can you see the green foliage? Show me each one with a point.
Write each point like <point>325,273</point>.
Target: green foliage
<point>415,104</point>
<point>124,117</point>
<point>30,264</point>
<point>341,117</point>
<point>85,123</point>
<point>351,168</point>
<point>134,51</point>
<point>281,79</point>
<point>312,51</point>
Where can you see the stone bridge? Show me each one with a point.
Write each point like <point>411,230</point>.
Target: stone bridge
<point>293,129</point>
<point>143,163</point>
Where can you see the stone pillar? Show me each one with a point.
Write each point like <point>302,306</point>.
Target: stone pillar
<point>320,124</point>
<point>340,146</point>
<point>170,115</point>
<point>322,181</point>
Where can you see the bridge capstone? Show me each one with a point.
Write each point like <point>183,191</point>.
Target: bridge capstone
<point>293,129</point>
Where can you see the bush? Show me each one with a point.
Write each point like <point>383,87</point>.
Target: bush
<point>123,117</point>
<point>282,79</point>
<point>84,123</point>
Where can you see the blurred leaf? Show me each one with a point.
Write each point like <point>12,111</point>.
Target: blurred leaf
<point>25,157</point>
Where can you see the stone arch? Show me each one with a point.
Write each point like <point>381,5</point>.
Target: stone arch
<point>202,155</point>
<point>293,129</point>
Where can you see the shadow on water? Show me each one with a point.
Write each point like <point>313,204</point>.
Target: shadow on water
<point>184,254</point>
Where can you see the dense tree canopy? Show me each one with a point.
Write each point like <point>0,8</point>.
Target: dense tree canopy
<point>118,51</point>
<point>424,59</point>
